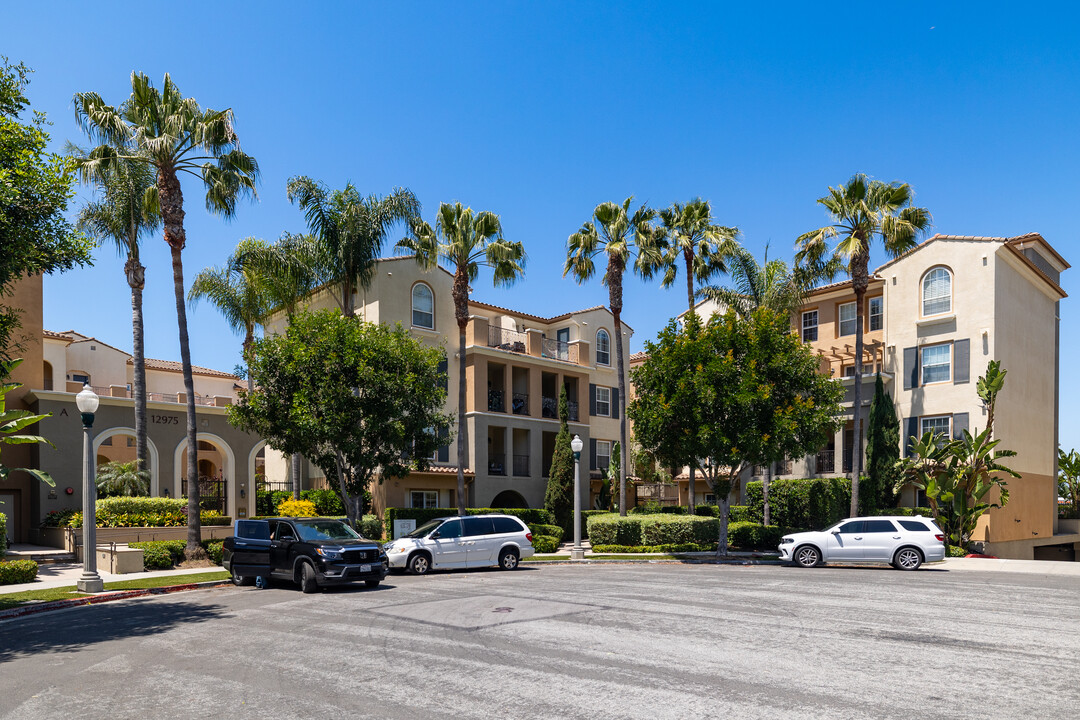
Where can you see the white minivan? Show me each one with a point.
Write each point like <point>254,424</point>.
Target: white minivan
<point>462,542</point>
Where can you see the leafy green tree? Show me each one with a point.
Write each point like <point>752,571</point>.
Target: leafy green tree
<point>349,232</point>
<point>1069,479</point>
<point>617,233</point>
<point>125,211</point>
<point>863,210</point>
<point>238,291</point>
<point>960,476</point>
<point>122,478</point>
<point>35,187</point>
<point>465,242</point>
<point>13,422</point>
<point>174,136</point>
<point>360,400</point>
<point>882,453</point>
<point>559,499</point>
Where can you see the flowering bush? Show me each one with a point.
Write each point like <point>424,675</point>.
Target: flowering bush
<point>297,508</point>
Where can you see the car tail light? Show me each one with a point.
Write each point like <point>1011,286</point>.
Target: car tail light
<point>940,537</point>
<point>528,536</point>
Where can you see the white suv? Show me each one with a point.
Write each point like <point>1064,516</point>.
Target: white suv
<point>903,542</point>
<point>462,542</point>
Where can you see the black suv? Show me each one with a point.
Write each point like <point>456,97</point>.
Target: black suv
<point>310,551</point>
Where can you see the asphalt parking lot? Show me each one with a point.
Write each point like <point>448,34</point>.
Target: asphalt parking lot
<point>616,641</point>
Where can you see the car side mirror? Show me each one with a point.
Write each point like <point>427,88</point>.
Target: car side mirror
<point>836,531</point>
<point>434,535</point>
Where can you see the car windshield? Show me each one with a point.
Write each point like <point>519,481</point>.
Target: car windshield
<point>426,528</point>
<point>315,530</point>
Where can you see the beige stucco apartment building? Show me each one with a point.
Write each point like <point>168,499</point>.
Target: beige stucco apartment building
<point>515,365</point>
<point>934,317</point>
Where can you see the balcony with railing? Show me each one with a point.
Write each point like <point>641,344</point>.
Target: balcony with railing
<point>521,466</point>
<point>119,391</point>
<point>503,339</point>
<point>496,463</point>
<point>847,460</point>
<point>825,462</point>
<point>559,350</point>
<point>550,409</point>
<point>495,401</point>
<point>520,403</point>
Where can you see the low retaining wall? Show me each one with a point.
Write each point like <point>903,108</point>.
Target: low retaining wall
<point>71,538</point>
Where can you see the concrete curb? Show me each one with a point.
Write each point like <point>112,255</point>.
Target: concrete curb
<point>34,608</point>
<point>653,561</point>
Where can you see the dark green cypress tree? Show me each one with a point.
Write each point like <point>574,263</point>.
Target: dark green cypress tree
<point>559,499</point>
<point>882,453</point>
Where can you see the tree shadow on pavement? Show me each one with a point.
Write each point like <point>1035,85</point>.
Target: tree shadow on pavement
<point>80,627</point>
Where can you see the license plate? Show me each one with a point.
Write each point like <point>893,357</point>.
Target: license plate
<point>365,568</point>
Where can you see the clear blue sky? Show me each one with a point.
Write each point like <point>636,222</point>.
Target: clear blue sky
<point>539,111</point>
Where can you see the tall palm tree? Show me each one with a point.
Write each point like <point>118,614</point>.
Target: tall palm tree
<point>773,286</point>
<point>173,135</point>
<point>862,210</point>
<point>691,238</point>
<point>617,233</point>
<point>349,232</point>
<point>238,291</point>
<point>465,241</point>
<point>126,210</point>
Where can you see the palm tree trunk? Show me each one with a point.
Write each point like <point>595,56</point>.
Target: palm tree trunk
<point>296,476</point>
<point>136,275</point>
<point>860,280</point>
<point>614,277</point>
<point>691,496</point>
<point>460,293</point>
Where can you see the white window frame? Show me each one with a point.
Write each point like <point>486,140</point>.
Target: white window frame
<point>852,322</point>
<point>606,401</point>
<point>935,420</point>
<point>606,352</point>
<point>427,495</point>
<point>879,315</point>
<point>923,365</point>
<point>606,445</point>
<point>412,298</point>
<point>813,327</point>
<point>945,298</point>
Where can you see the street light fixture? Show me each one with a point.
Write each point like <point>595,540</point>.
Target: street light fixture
<point>89,582</point>
<point>578,552</point>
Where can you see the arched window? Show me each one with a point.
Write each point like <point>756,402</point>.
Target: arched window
<point>937,292</point>
<point>423,307</point>
<point>603,348</point>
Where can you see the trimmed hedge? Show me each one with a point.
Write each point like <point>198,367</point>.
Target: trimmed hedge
<point>370,527</point>
<point>908,512</point>
<point>683,547</point>
<point>673,510</point>
<point>423,515</point>
<point>545,543</point>
<point>215,550</point>
<point>161,554</point>
<point>658,529</point>
<point>327,502</point>
<point>585,515</point>
<point>813,503</point>
<point>754,536</point>
<point>16,572</point>
<point>3,534</point>
<point>549,530</point>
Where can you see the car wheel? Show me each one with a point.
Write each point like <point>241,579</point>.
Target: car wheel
<point>419,564</point>
<point>508,559</point>
<point>372,583</point>
<point>308,582</point>
<point>907,559</point>
<point>242,579</point>
<point>807,556</point>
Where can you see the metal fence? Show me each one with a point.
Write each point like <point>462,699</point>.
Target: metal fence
<point>504,339</point>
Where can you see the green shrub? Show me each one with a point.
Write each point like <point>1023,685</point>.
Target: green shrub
<point>60,518</point>
<point>658,529</point>
<point>708,510</point>
<point>954,551</point>
<point>327,502</point>
<point>673,510</point>
<point>739,513</point>
<point>813,503</point>
<point>550,530</point>
<point>3,534</point>
<point>545,543</point>
<point>423,515</point>
<point>908,512</point>
<point>161,554</point>
<point>585,515</point>
<point>17,572</point>
<point>649,507</point>
<point>754,536</point>
<point>214,550</point>
<point>138,512</point>
<point>370,527</point>
<point>684,547</point>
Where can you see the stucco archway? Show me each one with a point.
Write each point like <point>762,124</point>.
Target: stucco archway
<point>228,467</point>
<point>151,452</point>
<point>509,499</point>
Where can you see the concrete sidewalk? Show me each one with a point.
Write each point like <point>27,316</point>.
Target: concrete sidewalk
<point>55,575</point>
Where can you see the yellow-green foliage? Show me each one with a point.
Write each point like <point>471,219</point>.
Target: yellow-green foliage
<point>297,508</point>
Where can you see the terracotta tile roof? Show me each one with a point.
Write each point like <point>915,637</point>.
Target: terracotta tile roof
<point>639,356</point>
<point>56,335</point>
<point>537,318</point>
<point>442,470</point>
<point>173,366</point>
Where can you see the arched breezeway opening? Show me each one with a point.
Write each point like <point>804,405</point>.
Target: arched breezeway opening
<point>117,444</point>
<point>509,499</point>
<point>217,473</point>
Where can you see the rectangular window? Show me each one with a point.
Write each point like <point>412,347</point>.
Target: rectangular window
<point>603,401</point>
<point>937,425</point>
<point>603,454</point>
<point>84,379</point>
<point>847,319</point>
<point>424,498</point>
<point>936,363</point>
<point>809,326</point>
<point>877,314</point>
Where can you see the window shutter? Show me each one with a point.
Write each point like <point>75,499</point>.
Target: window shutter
<point>912,431</point>
<point>444,450</point>
<point>615,403</point>
<point>959,425</point>
<point>592,400</point>
<point>592,453</point>
<point>444,380</point>
<point>961,361</point>
<point>911,367</point>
